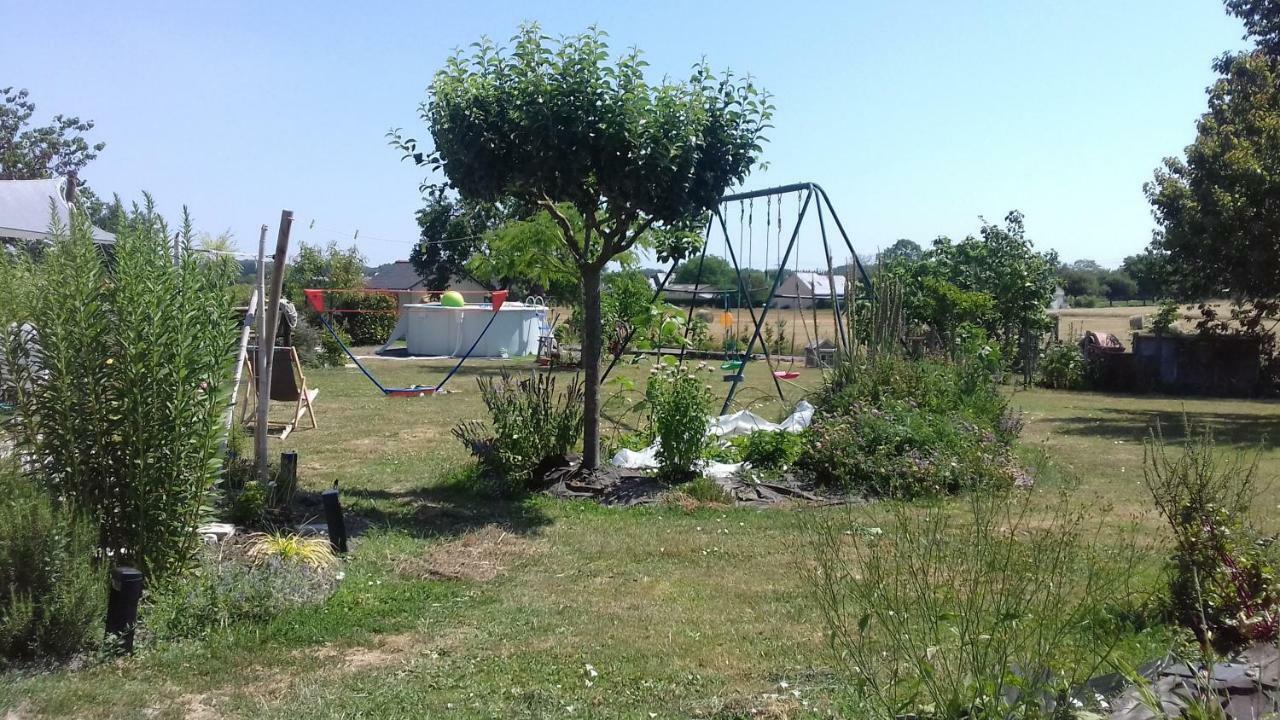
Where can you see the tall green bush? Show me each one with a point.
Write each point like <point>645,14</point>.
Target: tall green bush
<point>374,317</point>
<point>51,593</point>
<point>121,378</point>
<point>678,402</point>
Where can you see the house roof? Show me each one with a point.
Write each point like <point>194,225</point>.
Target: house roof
<point>400,276</point>
<point>25,207</point>
<point>819,285</point>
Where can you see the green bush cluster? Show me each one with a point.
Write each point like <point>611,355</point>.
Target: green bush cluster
<point>891,427</point>
<point>769,451</point>
<point>374,320</point>
<point>530,423</point>
<point>1062,367</point>
<point>52,594</point>
<point>678,401</point>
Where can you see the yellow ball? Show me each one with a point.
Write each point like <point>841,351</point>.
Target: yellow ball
<point>452,298</point>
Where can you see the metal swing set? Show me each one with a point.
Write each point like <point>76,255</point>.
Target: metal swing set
<point>808,194</point>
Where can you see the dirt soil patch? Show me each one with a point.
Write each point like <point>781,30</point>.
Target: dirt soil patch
<point>477,556</point>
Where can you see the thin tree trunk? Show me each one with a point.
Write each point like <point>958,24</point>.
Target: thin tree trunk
<point>591,342</point>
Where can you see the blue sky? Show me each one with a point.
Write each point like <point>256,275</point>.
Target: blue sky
<point>916,117</point>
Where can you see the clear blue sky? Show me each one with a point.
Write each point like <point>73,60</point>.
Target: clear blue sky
<point>917,117</point>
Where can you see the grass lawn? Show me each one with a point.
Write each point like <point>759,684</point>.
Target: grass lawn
<point>586,612</point>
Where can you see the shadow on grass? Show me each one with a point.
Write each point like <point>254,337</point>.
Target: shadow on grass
<point>457,505</point>
<point>1246,430</point>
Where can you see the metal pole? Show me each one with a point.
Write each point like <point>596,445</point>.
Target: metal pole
<point>777,280</point>
<point>750,309</point>
<point>866,279</point>
<point>831,283</point>
<point>697,280</point>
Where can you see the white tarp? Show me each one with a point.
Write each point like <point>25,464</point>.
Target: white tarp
<point>725,427</point>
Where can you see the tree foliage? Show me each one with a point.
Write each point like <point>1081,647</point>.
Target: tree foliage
<point>1216,205</point>
<point>995,280</point>
<point>325,268</point>
<point>452,232</point>
<point>58,149</point>
<point>549,122</point>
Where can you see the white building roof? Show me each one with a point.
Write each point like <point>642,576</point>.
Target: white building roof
<point>25,207</point>
<point>820,284</point>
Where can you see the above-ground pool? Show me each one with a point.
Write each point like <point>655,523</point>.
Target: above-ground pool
<point>433,329</point>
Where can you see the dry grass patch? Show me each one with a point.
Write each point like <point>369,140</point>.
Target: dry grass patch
<point>477,556</point>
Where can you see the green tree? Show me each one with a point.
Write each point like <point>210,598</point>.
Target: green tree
<point>901,249</point>
<point>995,280</point>
<point>58,149</point>
<point>1216,206</point>
<point>1148,272</point>
<point>326,268</point>
<point>1118,285</point>
<point>452,233</point>
<point>551,122</point>
<point>528,257</point>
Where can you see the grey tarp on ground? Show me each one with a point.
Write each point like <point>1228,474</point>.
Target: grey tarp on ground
<point>25,207</point>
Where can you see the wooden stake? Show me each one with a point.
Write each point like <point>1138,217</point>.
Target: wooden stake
<point>260,366</point>
<point>267,343</point>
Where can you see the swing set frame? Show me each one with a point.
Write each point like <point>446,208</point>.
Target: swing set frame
<point>810,192</point>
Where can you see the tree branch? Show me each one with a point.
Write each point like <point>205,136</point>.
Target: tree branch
<point>565,227</point>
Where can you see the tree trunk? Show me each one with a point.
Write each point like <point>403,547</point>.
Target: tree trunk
<point>592,339</point>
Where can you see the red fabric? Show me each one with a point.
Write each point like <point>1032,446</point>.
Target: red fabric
<point>315,298</point>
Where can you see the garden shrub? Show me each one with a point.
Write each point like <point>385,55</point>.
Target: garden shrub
<point>52,595</point>
<point>374,321</point>
<point>999,609</point>
<point>122,383</point>
<point>678,402</point>
<point>1062,367</point>
<point>769,451</point>
<point>530,423</point>
<point>887,426</point>
<point>228,587</point>
<point>1224,585</point>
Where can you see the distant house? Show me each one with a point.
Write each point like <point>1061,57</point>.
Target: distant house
<point>690,293</point>
<point>401,278</point>
<point>802,289</point>
<point>28,206</point>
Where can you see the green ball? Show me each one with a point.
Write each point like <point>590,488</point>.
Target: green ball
<point>452,298</point>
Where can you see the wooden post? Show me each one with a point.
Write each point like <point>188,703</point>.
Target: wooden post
<point>260,366</point>
<point>266,344</point>
<point>286,481</point>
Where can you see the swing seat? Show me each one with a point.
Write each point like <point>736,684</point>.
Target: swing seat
<point>733,378</point>
<point>731,365</point>
<point>416,391</point>
<point>786,374</point>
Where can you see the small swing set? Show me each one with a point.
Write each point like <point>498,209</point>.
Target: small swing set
<point>315,298</point>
